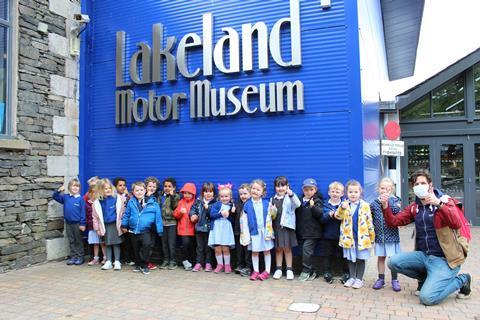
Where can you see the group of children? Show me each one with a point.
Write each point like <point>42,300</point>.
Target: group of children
<point>126,225</point>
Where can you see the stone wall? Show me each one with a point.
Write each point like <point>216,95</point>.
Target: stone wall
<point>31,224</point>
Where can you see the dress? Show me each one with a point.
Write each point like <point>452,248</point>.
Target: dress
<point>222,232</point>
<point>284,237</point>
<point>259,243</point>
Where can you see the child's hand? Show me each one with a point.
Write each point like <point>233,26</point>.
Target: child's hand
<point>331,213</point>
<point>194,218</point>
<point>233,209</point>
<point>82,228</point>
<point>311,202</point>
<point>225,213</point>
<point>289,192</point>
<point>345,204</point>
<point>183,210</point>
<point>124,230</point>
<point>384,200</point>
<point>61,189</point>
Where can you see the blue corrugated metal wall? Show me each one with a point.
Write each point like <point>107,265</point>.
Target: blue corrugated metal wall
<point>324,141</point>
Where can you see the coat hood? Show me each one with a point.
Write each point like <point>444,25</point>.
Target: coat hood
<point>189,187</point>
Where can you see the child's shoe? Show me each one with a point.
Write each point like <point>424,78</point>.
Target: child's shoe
<point>344,278</point>
<point>208,267</point>
<point>277,274</point>
<point>107,265</point>
<point>187,265</point>
<point>103,261</point>
<point>228,269</point>
<point>146,270</point>
<point>379,284</point>
<point>219,268</point>
<point>137,269</point>
<point>290,275</point>
<point>71,262</point>
<point>357,284</point>
<point>172,265</point>
<point>164,265</point>
<point>396,286</point>
<point>238,270</point>
<point>254,276</point>
<point>117,266</point>
<point>264,275</point>
<point>312,276</point>
<point>349,282</point>
<point>130,263</point>
<point>198,267</point>
<point>93,262</point>
<point>328,277</point>
<point>245,272</point>
<point>151,266</point>
<point>303,276</point>
<point>79,261</point>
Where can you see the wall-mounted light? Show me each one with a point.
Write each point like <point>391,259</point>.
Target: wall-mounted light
<point>325,4</point>
<point>75,32</point>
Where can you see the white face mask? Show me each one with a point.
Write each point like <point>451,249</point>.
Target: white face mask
<point>421,190</point>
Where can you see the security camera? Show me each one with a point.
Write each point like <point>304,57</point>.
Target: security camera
<point>81,18</point>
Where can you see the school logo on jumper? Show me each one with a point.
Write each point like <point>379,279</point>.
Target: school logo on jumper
<point>147,66</point>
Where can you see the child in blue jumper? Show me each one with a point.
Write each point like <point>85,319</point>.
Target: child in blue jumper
<point>139,218</point>
<point>331,233</point>
<point>75,219</point>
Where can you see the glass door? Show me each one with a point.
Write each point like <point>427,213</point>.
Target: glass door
<point>418,155</point>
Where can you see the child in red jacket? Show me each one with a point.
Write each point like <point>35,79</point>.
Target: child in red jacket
<point>185,227</point>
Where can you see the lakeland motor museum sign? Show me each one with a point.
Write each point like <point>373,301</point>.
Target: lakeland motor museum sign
<point>147,67</point>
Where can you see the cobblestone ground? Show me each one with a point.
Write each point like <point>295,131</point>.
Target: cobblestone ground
<point>56,291</point>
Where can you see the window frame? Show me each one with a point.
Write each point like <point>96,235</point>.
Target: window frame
<point>12,67</point>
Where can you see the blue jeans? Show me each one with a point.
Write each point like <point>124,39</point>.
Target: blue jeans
<point>439,281</point>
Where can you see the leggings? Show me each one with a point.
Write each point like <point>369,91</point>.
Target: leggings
<point>356,269</point>
<point>116,252</point>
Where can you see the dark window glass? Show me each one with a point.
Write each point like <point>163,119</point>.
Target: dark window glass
<point>449,100</point>
<point>418,158</point>
<point>451,170</point>
<point>476,78</point>
<point>420,110</point>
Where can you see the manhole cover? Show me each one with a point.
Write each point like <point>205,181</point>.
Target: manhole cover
<point>304,307</point>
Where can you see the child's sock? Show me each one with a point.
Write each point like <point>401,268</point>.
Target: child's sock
<point>381,276</point>
<point>255,262</point>
<point>227,259</point>
<point>394,275</point>
<point>351,269</point>
<point>96,258</point>
<point>268,262</point>
<point>219,260</point>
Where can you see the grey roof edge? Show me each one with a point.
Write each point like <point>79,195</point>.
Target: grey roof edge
<point>413,94</point>
<point>406,69</point>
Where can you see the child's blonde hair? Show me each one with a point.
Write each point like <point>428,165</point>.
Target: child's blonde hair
<point>138,184</point>
<point>244,186</point>
<point>353,183</point>
<point>387,180</point>
<point>225,189</point>
<point>336,185</point>
<point>262,184</point>
<point>71,183</point>
<point>101,184</point>
<point>93,180</point>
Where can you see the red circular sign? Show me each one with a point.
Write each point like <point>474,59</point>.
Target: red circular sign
<point>392,130</point>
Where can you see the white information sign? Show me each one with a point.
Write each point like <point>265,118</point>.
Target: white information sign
<point>393,148</point>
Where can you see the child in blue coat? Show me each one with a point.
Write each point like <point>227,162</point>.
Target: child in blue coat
<point>75,219</point>
<point>139,219</point>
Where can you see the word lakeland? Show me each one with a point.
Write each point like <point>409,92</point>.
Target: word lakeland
<point>205,100</point>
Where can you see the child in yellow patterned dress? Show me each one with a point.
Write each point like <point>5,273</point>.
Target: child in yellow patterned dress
<point>357,234</point>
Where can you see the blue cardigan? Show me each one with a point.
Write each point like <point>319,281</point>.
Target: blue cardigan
<point>140,220</point>
<point>216,214</point>
<point>252,220</point>
<point>331,225</point>
<point>73,207</point>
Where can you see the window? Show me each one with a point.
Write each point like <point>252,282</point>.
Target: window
<point>476,79</point>
<point>420,110</point>
<point>5,27</point>
<point>449,100</point>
